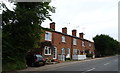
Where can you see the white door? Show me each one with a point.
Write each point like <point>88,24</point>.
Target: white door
<point>68,54</point>
<point>55,53</point>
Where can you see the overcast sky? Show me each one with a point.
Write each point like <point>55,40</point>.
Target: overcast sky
<point>91,17</point>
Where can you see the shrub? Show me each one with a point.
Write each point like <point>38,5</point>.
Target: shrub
<point>89,55</point>
<point>14,66</point>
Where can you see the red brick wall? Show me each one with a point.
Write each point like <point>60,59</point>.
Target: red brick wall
<point>87,47</point>
<point>57,42</point>
<point>77,46</point>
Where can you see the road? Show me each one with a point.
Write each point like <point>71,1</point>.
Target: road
<point>104,64</point>
<point>98,65</point>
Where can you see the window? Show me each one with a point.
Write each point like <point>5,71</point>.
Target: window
<point>54,53</point>
<point>89,44</point>
<point>68,50</point>
<point>74,41</point>
<point>83,44</point>
<point>63,38</point>
<point>63,50</point>
<point>47,50</point>
<point>90,52</point>
<point>78,51</point>
<point>74,51</point>
<point>48,36</point>
<point>83,51</point>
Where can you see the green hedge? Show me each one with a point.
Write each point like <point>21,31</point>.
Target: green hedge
<point>89,55</point>
<point>14,66</point>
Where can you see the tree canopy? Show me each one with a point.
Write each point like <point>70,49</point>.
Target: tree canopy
<point>21,29</point>
<point>106,45</point>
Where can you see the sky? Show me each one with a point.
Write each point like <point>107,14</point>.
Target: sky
<point>92,17</point>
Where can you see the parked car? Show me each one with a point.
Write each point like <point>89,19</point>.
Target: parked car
<point>35,60</point>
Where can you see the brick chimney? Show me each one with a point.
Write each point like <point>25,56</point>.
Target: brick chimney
<point>81,35</point>
<point>52,25</point>
<point>74,32</point>
<point>64,30</point>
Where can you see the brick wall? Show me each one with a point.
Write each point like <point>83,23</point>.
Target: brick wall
<point>57,40</point>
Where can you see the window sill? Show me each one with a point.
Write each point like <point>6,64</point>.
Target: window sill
<point>64,42</point>
<point>47,54</point>
<point>48,40</point>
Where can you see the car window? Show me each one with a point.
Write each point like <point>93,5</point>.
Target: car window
<point>39,56</point>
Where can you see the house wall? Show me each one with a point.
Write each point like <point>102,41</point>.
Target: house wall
<point>77,46</point>
<point>57,42</point>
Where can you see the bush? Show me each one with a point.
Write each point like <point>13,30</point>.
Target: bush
<point>89,55</point>
<point>10,66</point>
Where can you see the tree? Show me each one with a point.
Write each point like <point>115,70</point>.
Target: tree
<point>21,29</point>
<point>105,45</point>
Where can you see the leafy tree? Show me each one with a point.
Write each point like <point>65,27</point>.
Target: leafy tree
<point>105,45</point>
<point>118,50</point>
<point>22,29</point>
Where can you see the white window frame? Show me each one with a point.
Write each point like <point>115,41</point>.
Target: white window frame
<point>90,51</point>
<point>48,36</point>
<point>78,51</point>
<point>68,50</point>
<point>55,53</point>
<point>89,44</point>
<point>83,51</point>
<point>63,39</point>
<point>83,44</point>
<point>75,51</point>
<point>63,51</point>
<point>48,50</point>
<point>74,41</point>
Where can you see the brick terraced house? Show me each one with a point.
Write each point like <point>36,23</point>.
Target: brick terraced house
<point>60,45</point>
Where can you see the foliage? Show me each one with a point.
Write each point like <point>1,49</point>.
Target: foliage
<point>21,29</point>
<point>118,50</point>
<point>105,45</point>
<point>15,65</point>
<point>89,55</point>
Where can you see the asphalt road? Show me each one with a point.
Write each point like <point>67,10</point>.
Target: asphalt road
<point>98,65</point>
<point>104,64</point>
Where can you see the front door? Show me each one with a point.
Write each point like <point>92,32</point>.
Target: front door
<point>68,53</point>
<point>55,53</point>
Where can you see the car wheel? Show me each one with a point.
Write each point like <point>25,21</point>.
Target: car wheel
<point>32,64</point>
<point>43,64</point>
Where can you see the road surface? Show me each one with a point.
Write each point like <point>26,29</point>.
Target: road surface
<point>104,64</point>
<point>98,65</point>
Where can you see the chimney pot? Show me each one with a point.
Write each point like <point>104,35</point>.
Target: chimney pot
<point>81,35</point>
<point>74,32</point>
<point>52,25</point>
<point>64,30</point>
